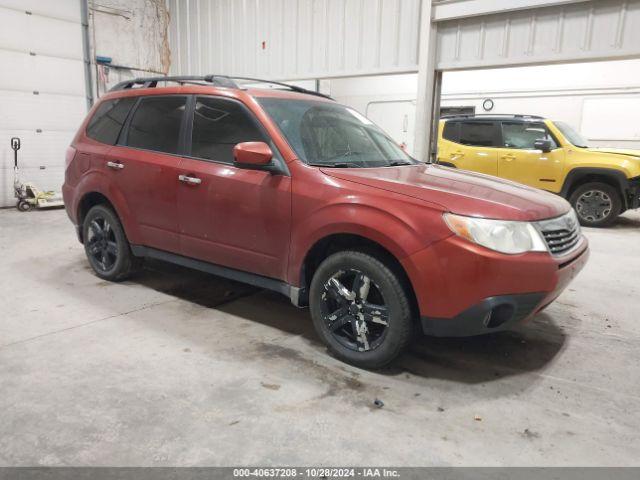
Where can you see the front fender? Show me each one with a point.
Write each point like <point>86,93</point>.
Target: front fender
<point>574,175</point>
<point>401,229</point>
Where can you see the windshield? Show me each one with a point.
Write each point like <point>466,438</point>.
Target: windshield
<point>332,135</point>
<point>570,134</point>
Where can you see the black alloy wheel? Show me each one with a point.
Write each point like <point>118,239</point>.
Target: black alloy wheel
<point>102,245</point>
<point>361,308</point>
<point>106,245</point>
<point>357,316</point>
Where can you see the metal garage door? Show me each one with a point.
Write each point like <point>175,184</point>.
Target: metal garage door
<point>574,30</point>
<point>42,88</point>
<point>294,39</point>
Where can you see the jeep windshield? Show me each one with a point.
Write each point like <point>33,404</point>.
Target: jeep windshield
<point>570,134</point>
<point>331,135</point>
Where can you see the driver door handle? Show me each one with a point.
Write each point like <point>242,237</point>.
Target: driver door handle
<point>189,180</point>
<point>115,165</point>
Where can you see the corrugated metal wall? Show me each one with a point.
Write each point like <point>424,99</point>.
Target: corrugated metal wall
<point>293,39</point>
<point>593,30</point>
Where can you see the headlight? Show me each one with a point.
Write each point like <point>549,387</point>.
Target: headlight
<point>500,235</point>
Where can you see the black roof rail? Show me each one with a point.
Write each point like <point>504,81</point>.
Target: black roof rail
<point>505,115</point>
<point>293,88</point>
<point>152,82</point>
<point>214,80</point>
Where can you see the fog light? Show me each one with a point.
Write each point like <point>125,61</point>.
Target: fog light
<point>487,318</point>
<point>498,315</point>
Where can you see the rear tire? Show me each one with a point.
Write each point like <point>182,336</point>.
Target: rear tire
<point>106,245</point>
<point>360,309</point>
<point>596,204</point>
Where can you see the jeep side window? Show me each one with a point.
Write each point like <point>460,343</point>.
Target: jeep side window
<point>218,125</point>
<point>523,135</point>
<point>156,124</point>
<point>451,131</point>
<point>107,122</point>
<point>479,134</point>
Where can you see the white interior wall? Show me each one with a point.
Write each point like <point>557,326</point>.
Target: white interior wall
<point>568,92</point>
<point>134,34</point>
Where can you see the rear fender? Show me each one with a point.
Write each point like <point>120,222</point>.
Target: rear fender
<point>99,182</point>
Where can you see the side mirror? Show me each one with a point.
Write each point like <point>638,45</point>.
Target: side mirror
<point>252,155</point>
<point>543,144</point>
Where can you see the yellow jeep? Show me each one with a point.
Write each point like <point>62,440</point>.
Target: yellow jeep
<point>600,183</point>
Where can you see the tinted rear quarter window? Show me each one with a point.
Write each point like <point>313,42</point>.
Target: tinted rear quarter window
<point>451,131</point>
<point>106,123</point>
<point>218,125</point>
<point>477,133</point>
<point>156,124</point>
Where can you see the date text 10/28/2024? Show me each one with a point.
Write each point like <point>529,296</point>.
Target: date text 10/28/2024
<point>364,472</point>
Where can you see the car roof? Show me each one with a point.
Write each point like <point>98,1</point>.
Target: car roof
<point>219,91</point>
<point>213,84</point>
<point>493,118</point>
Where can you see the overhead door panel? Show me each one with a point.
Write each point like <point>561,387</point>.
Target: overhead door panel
<point>42,89</point>
<point>62,9</point>
<point>588,30</point>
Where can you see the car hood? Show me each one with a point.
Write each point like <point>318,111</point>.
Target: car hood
<point>616,151</point>
<point>460,191</point>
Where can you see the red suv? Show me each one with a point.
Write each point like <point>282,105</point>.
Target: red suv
<point>288,190</point>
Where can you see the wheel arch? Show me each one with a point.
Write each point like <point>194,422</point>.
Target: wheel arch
<point>337,242</point>
<point>581,175</point>
<point>96,197</point>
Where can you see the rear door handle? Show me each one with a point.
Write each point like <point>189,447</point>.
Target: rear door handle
<point>189,180</point>
<point>115,165</point>
<point>509,157</point>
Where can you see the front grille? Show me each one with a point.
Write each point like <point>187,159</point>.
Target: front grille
<point>561,234</point>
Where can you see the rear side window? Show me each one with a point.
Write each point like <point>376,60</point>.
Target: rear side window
<point>523,135</point>
<point>477,133</point>
<point>156,124</point>
<point>106,123</point>
<point>451,131</point>
<point>218,125</point>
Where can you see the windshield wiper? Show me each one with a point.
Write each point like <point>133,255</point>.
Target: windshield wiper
<point>335,165</point>
<point>399,163</point>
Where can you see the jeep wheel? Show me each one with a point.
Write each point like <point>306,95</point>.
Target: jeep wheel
<point>106,245</point>
<point>597,204</point>
<point>360,309</point>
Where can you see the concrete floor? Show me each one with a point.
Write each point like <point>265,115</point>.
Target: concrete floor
<point>181,368</point>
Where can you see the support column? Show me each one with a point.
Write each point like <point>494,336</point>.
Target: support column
<point>86,52</point>
<point>428,101</point>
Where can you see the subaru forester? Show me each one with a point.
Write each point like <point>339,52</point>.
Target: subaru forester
<point>285,189</point>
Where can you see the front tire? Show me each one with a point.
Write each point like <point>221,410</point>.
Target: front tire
<point>23,206</point>
<point>106,245</point>
<point>360,309</point>
<point>596,204</point>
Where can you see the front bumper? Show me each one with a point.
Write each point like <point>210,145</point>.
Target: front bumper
<point>633,198</point>
<point>490,315</point>
<point>463,289</point>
